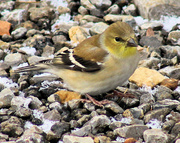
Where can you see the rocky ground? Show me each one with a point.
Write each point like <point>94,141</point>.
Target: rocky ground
<point>35,108</point>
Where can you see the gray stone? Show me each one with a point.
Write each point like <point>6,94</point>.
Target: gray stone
<point>101,4</point>
<point>53,98</point>
<point>98,123</point>
<point>56,105</point>
<point>19,33</point>
<point>23,112</point>
<point>19,101</point>
<point>16,16</point>
<point>35,102</point>
<point>156,9</point>
<point>124,18</point>
<point>98,28</point>
<point>74,139</point>
<point>153,25</point>
<point>150,41</point>
<point>174,37</point>
<point>6,38</point>
<point>9,5</point>
<point>52,115</point>
<point>134,131</point>
<point>158,114</point>
<point>82,10</point>
<point>155,135</point>
<point>114,107</point>
<point>32,32</point>
<point>114,125</point>
<point>12,127</point>
<point>176,129</point>
<point>114,9</point>
<point>89,106</point>
<point>60,128</point>
<point>163,93</point>
<point>39,13</point>
<point>83,119</point>
<point>152,63</point>
<point>4,136</point>
<point>37,41</point>
<point>32,134</point>
<point>74,104</point>
<point>14,59</point>
<point>168,103</point>
<point>48,51</point>
<point>6,95</point>
<point>146,98</point>
<point>130,10</point>
<point>91,18</point>
<point>171,71</point>
<point>84,131</point>
<point>4,45</point>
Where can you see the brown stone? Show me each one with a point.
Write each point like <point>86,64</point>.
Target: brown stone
<point>148,77</point>
<point>77,34</point>
<point>4,27</point>
<point>170,83</point>
<point>66,96</point>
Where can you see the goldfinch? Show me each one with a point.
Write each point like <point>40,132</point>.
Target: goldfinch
<point>98,64</point>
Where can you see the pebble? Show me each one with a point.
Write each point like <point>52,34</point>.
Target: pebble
<point>38,13</point>
<point>6,95</point>
<point>74,139</point>
<point>33,133</point>
<point>155,135</point>
<point>130,10</point>
<point>16,16</point>
<point>153,25</point>
<point>158,114</point>
<point>151,10</point>
<point>98,28</point>
<point>53,115</point>
<point>12,127</point>
<point>19,33</point>
<point>78,34</point>
<point>4,28</point>
<point>148,77</point>
<point>45,27</point>
<point>135,131</point>
<point>60,128</point>
<point>114,9</point>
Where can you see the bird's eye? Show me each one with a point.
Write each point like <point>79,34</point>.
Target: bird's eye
<point>118,39</point>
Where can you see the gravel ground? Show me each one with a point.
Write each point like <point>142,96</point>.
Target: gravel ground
<point>35,108</point>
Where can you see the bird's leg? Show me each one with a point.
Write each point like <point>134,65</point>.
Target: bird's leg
<point>120,94</point>
<point>95,102</point>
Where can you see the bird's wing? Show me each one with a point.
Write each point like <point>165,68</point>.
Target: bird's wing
<point>86,57</point>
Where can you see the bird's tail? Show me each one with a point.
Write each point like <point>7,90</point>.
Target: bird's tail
<point>29,69</point>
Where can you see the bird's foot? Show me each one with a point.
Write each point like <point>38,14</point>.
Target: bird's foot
<point>120,94</point>
<point>95,102</point>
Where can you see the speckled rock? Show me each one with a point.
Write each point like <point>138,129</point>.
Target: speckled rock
<point>158,114</point>
<point>155,135</point>
<point>135,131</point>
<point>14,59</point>
<point>16,16</point>
<point>98,28</point>
<point>74,139</point>
<point>33,133</point>
<point>6,95</point>
<point>12,127</point>
<point>155,9</point>
<point>19,33</point>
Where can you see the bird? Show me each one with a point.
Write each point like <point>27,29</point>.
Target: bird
<point>96,65</point>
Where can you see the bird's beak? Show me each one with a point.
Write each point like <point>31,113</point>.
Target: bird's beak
<point>132,43</point>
